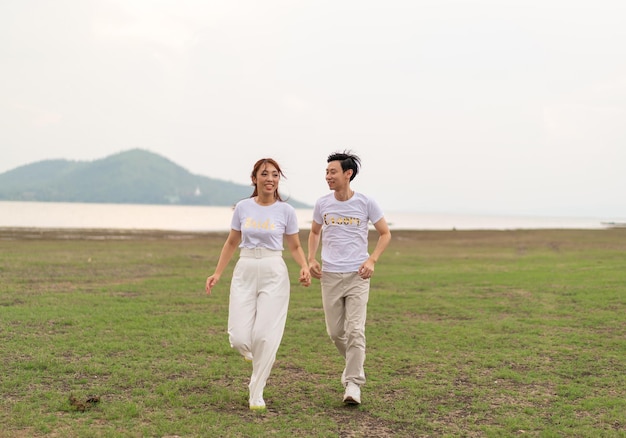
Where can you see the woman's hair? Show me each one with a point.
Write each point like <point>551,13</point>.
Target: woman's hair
<point>258,166</point>
<point>349,161</point>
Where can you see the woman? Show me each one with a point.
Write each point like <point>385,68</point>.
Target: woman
<point>259,290</point>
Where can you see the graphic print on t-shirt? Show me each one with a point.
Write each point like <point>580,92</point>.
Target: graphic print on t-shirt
<point>330,219</point>
<point>265,225</point>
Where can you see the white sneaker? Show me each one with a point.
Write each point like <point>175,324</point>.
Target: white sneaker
<point>257,405</point>
<point>352,396</point>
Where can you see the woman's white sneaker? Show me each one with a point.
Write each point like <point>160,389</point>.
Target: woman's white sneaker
<point>257,405</point>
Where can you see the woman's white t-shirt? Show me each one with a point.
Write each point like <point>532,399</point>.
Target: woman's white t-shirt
<point>263,226</point>
<point>345,228</point>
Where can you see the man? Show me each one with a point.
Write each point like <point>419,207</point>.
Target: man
<point>342,219</point>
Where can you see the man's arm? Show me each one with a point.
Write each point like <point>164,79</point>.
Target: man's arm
<point>384,237</point>
<point>314,243</point>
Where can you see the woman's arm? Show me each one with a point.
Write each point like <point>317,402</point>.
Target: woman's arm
<point>293,243</point>
<point>229,248</point>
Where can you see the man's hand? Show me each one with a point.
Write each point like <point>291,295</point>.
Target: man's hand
<point>315,269</point>
<point>366,270</point>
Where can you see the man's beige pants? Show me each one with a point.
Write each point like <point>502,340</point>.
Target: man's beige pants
<point>344,297</point>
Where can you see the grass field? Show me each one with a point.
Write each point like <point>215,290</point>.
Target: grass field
<point>470,333</point>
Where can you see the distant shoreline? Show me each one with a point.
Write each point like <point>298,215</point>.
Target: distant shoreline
<point>67,216</point>
<point>30,233</point>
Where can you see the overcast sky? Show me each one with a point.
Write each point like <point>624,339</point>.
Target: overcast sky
<point>461,106</point>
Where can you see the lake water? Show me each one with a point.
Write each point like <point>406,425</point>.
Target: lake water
<point>202,219</point>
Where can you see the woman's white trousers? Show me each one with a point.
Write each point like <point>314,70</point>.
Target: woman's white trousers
<point>259,300</point>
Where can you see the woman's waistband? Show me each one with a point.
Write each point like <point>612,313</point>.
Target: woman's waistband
<point>259,253</point>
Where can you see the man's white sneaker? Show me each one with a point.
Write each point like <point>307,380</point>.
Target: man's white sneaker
<point>352,396</point>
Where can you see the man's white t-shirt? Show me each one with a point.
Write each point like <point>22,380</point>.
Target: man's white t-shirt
<point>264,226</point>
<point>345,228</point>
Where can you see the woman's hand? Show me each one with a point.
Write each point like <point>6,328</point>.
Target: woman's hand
<point>210,282</point>
<point>305,277</point>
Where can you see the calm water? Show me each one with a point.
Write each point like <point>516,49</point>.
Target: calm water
<point>186,218</point>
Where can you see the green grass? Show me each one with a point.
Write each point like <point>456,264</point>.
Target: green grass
<point>486,333</point>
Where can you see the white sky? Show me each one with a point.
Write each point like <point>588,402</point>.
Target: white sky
<point>461,106</point>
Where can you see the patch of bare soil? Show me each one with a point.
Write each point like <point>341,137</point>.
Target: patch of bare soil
<point>352,421</point>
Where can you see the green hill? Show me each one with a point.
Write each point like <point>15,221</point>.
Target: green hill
<point>136,176</point>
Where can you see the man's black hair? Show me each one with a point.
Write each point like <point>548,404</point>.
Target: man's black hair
<point>348,161</point>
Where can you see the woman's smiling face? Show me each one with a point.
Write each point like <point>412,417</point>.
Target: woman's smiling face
<point>267,179</point>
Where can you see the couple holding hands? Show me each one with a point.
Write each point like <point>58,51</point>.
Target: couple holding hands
<point>260,287</point>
